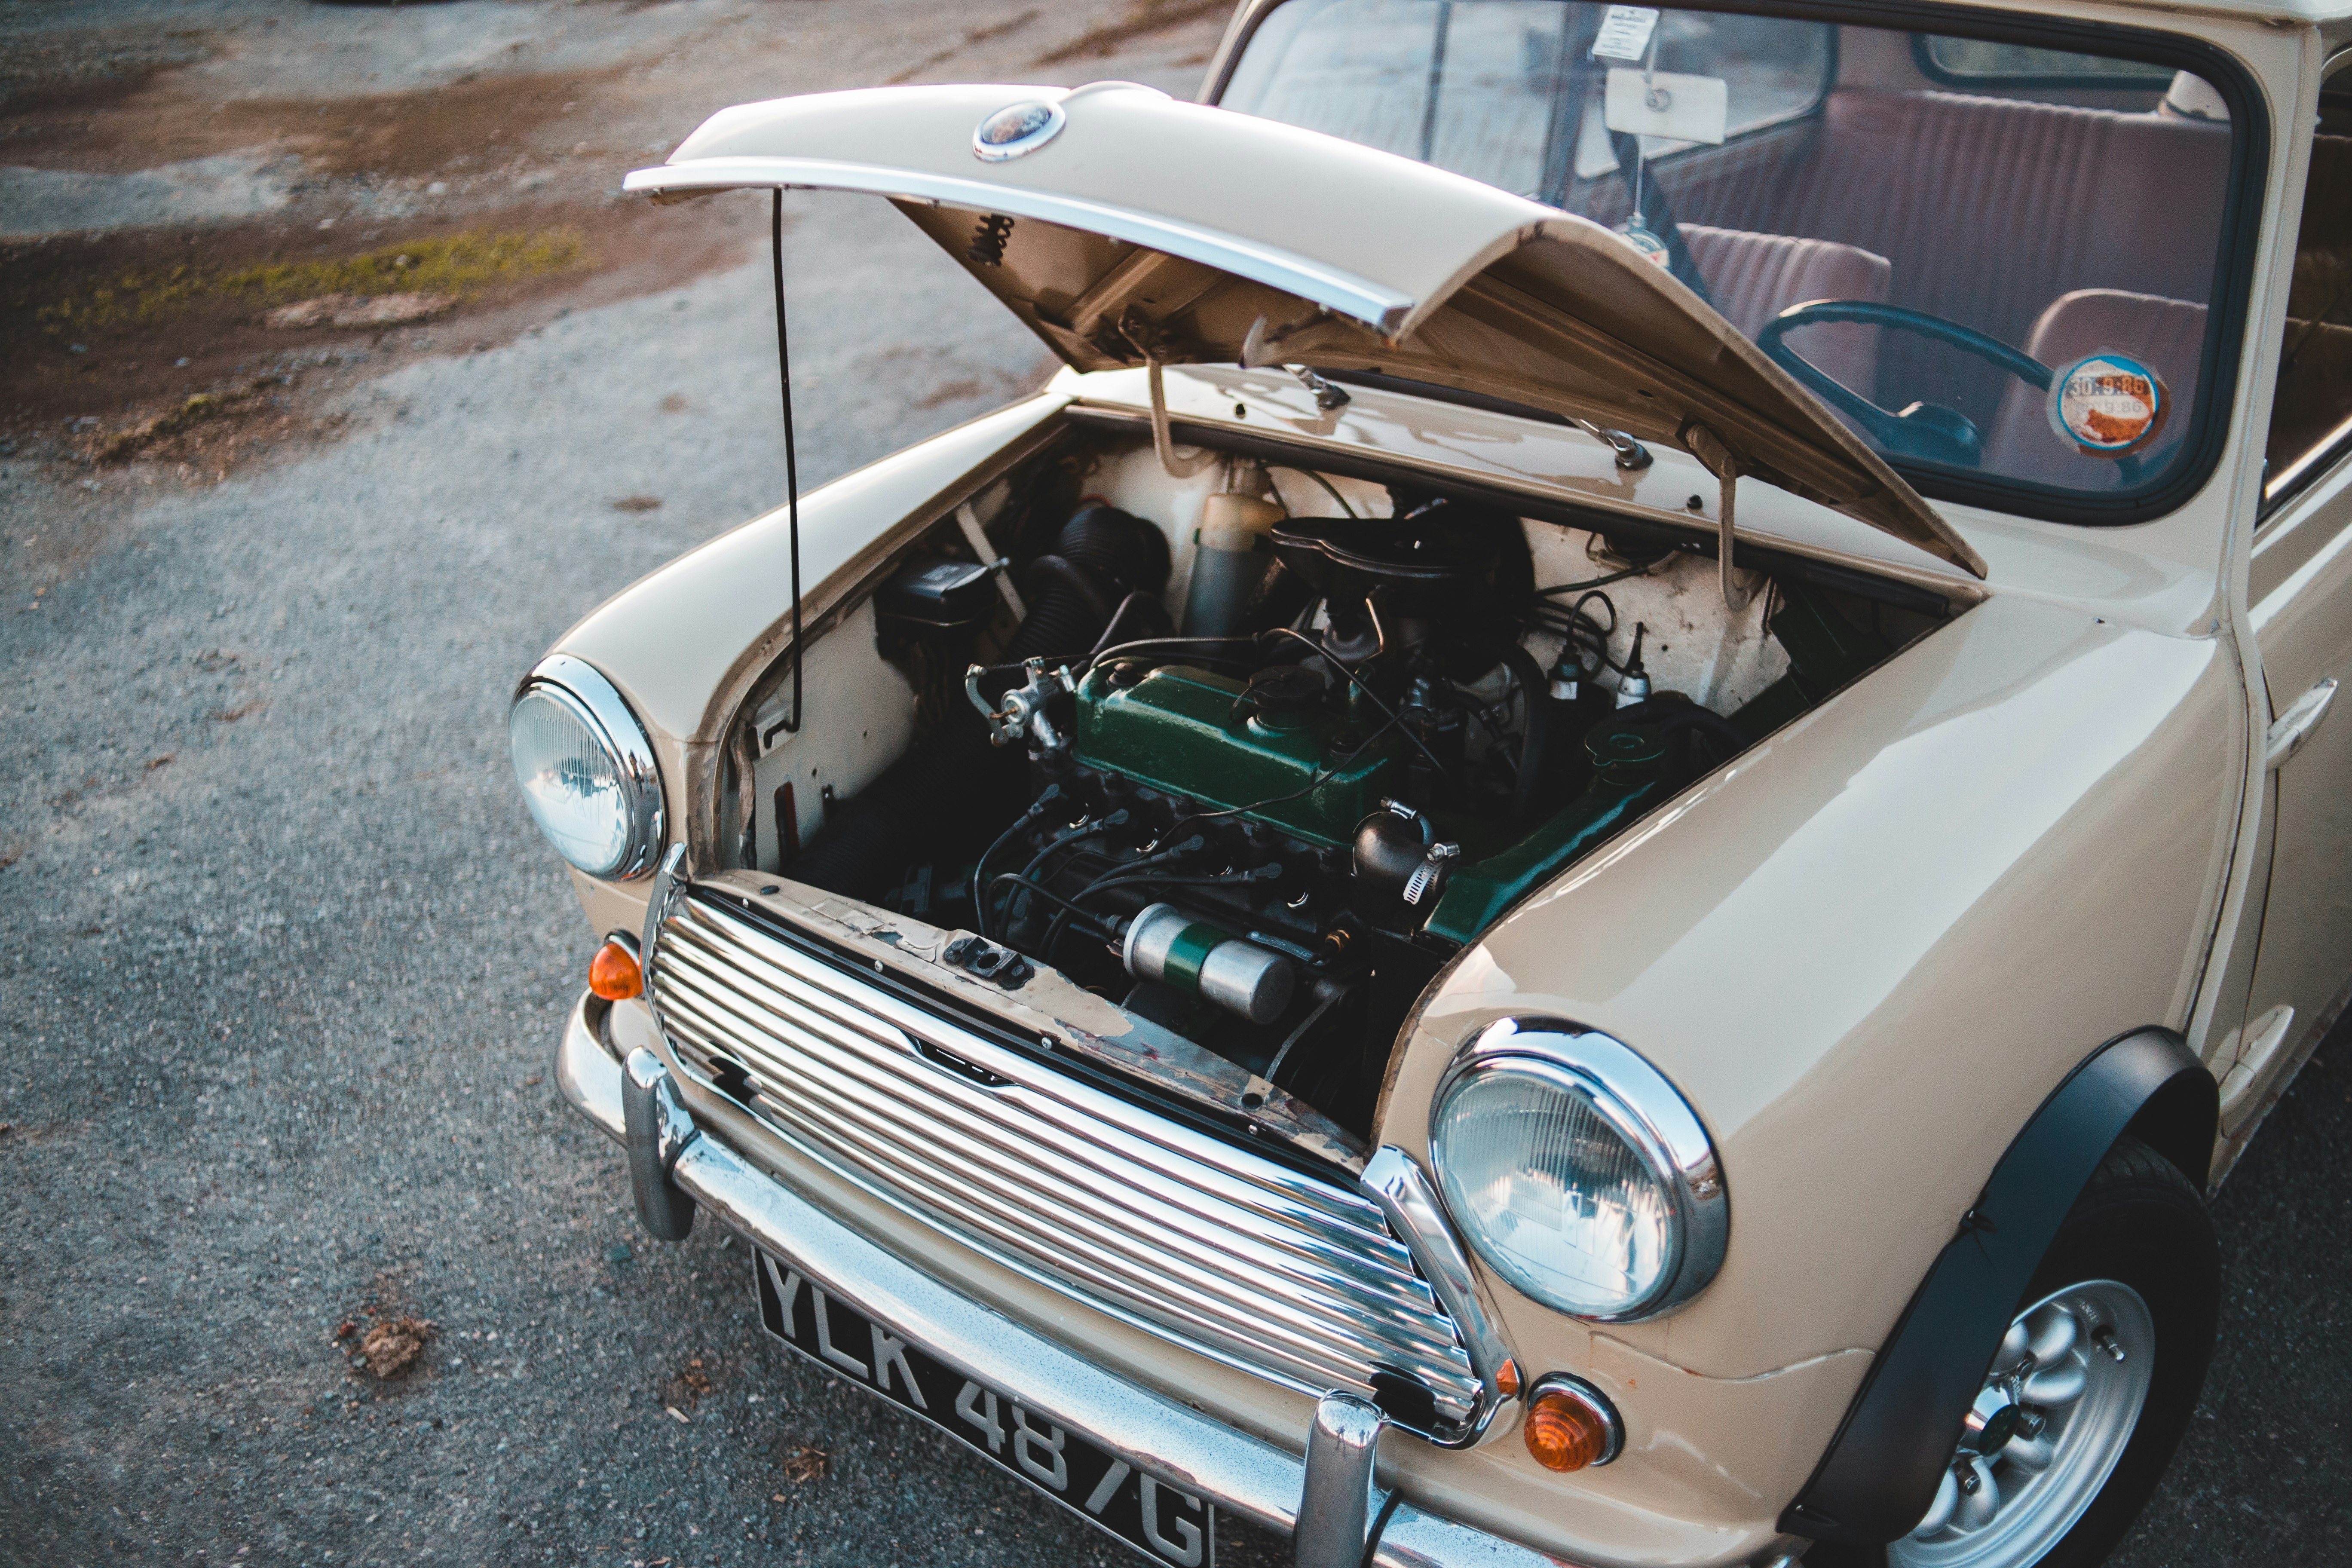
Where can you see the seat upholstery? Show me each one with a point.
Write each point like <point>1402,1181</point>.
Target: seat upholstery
<point>2167,335</point>
<point>1987,208</point>
<point>1755,276</point>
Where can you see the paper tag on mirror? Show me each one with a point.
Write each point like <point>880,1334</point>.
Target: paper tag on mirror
<point>1625,33</point>
<point>1665,104</point>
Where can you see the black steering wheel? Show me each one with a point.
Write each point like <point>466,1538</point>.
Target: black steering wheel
<point>1927,431</point>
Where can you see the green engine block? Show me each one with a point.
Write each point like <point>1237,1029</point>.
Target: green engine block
<point>1185,731</point>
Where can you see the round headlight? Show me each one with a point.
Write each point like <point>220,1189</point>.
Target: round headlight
<point>586,769</point>
<point>1578,1172</point>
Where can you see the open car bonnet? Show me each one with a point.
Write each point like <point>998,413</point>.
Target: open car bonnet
<point>1126,228</point>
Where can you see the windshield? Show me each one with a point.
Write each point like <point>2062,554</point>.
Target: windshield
<point>1992,261</point>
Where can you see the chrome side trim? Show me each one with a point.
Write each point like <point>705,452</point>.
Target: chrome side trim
<point>1394,1181</point>
<point>2316,459</point>
<point>1254,1478</point>
<point>600,704</point>
<point>660,900</point>
<point>1382,309</point>
<point>1677,1141</point>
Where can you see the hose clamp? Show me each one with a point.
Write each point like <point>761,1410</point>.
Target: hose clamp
<point>1430,872</point>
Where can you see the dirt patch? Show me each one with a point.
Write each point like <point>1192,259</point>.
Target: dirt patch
<point>493,192</point>
<point>358,311</point>
<point>208,433</point>
<point>66,78</point>
<point>114,338</point>
<point>1005,28</point>
<point>446,267</point>
<point>803,1464</point>
<point>385,1337</point>
<point>1142,18</point>
<point>134,122</point>
<point>681,1392</point>
<point>392,1346</point>
<point>949,392</point>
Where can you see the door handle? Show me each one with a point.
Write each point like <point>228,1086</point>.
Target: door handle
<point>2291,729</point>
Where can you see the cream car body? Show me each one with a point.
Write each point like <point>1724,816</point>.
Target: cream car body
<point>1865,952</point>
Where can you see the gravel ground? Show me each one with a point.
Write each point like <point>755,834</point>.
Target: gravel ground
<point>283,962</point>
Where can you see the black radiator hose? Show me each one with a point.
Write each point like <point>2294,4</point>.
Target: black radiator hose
<point>1528,798</point>
<point>1101,557</point>
<point>952,788</point>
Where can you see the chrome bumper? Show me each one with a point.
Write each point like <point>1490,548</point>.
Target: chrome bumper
<point>1254,1478</point>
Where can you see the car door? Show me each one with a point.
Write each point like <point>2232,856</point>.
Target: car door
<point>2301,594</point>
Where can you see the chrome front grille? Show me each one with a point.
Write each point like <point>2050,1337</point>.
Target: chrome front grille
<point>1233,1254</point>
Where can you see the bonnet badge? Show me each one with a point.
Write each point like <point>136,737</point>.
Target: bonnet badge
<point>1017,129</point>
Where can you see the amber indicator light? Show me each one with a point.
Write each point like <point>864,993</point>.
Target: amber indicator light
<point>1566,1433</point>
<point>613,973</point>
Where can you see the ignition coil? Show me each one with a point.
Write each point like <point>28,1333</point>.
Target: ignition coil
<point>1165,944</point>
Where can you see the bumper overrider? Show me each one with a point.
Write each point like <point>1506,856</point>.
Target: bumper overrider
<point>1326,1498</point>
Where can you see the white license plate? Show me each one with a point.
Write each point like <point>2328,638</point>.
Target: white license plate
<point>1155,1516</point>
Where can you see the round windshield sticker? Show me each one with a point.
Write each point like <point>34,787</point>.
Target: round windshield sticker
<point>1652,249</point>
<point>2109,404</point>
<point>1016,129</point>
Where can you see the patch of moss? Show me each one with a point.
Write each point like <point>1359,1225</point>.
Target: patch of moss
<point>457,264</point>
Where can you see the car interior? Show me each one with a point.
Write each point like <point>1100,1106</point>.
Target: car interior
<point>2064,205</point>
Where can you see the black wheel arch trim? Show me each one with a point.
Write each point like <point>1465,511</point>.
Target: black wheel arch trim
<point>1880,1472</point>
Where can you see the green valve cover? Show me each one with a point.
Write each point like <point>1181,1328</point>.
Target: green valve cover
<point>1183,730</point>
<point>1624,783</point>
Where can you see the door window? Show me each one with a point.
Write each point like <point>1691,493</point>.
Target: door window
<point>1978,62</point>
<point>2311,415</point>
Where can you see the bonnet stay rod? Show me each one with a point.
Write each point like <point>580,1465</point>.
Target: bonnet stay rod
<point>792,460</point>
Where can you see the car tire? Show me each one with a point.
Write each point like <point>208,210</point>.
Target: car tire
<point>2138,1232</point>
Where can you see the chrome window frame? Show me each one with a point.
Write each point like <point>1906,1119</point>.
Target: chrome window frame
<point>598,703</point>
<point>1648,1112</point>
<point>2322,457</point>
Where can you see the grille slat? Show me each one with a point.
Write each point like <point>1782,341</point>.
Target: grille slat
<point>1265,1182</point>
<point>1096,1230</point>
<point>1309,1207</point>
<point>1209,1245</point>
<point>1314,1258</point>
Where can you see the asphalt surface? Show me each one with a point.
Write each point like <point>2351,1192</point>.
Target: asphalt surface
<point>281,961</point>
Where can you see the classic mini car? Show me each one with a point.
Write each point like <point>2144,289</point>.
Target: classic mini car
<point>1585,850</point>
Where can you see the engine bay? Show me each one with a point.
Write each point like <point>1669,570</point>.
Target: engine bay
<point>1250,759</point>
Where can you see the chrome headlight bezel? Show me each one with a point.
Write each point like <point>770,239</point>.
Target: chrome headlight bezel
<point>583,689</point>
<point>1642,1106</point>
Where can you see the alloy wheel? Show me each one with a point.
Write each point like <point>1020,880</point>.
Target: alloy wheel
<point>2055,1414</point>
